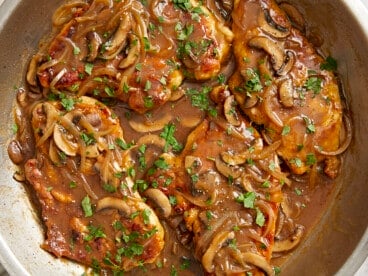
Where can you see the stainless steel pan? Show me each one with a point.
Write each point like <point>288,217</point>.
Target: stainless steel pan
<point>338,244</point>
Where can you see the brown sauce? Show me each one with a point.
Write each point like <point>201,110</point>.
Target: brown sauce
<point>304,199</point>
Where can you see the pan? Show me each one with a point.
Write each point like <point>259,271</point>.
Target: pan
<point>338,243</point>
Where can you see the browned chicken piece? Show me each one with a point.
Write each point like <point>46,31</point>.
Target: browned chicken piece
<point>108,49</point>
<point>203,41</point>
<point>280,83</point>
<point>228,185</point>
<point>80,177</point>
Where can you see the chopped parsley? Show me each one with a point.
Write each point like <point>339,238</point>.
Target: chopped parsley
<point>247,199</point>
<point>161,164</point>
<point>298,192</point>
<point>68,103</point>
<point>199,98</point>
<point>147,86</point>
<point>310,128</point>
<point>121,143</point>
<point>146,43</point>
<point>285,130</point>
<point>173,201</point>
<point>76,50</point>
<point>146,216</point>
<point>277,270</point>
<point>14,128</point>
<point>88,67</point>
<point>296,161</point>
<point>314,84</point>
<point>109,91</point>
<point>109,188</point>
<point>330,64</point>
<point>260,218</point>
<point>133,249</point>
<point>138,66</point>
<point>87,207</point>
<point>88,138</point>
<point>72,184</point>
<point>311,159</point>
<point>184,5</point>
<point>232,244</point>
<point>184,32</point>
<point>168,135</point>
<point>148,102</point>
<point>266,184</point>
<point>221,78</point>
<point>185,263</point>
<point>253,83</point>
<point>94,232</point>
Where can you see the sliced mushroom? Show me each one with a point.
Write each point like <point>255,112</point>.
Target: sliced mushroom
<point>151,126</point>
<point>133,53</point>
<point>115,203</point>
<point>273,48</point>
<point>294,15</point>
<point>207,185</point>
<point>230,111</point>
<point>65,141</point>
<point>218,241</point>
<point>286,93</point>
<point>192,163</point>
<point>227,171</point>
<point>291,242</point>
<point>258,261</point>
<point>151,139</point>
<point>118,41</point>
<point>270,27</point>
<point>15,152</point>
<point>250,101</point>
<point>234,159</point>
<point>288,64</point>
<point>94,41</point>
<point>158,198</point>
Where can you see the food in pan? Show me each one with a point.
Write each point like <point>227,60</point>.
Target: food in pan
<point>179,137</point>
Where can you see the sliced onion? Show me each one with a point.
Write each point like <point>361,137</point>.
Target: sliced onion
<point>271,218</point>
<point>64,13</point>
<point>345,144</point>
<point>88,188</point>
<point>218,241</point>
<point>290,242</point>
<point>56,79</point>
<point>258,261</point>
<point>230,112</point>
<point>118,41</point>
<point>51,118</point>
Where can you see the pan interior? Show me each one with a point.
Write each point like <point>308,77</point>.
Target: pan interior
<point>339,236</point>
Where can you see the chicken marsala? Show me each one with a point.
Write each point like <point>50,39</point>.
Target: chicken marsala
<point>179,136</point>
